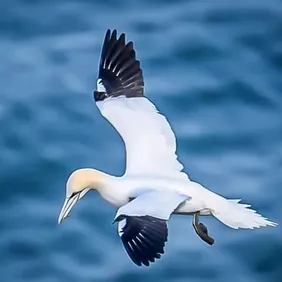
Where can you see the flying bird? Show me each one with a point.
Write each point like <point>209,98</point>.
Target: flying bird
<point>154,185</point>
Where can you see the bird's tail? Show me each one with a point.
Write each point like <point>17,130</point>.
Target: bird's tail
<point>236,215</point>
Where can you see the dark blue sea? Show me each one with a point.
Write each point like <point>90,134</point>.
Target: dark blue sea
<point>213,67</point>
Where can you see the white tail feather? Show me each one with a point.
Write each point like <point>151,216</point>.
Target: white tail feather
<point>236,215</point>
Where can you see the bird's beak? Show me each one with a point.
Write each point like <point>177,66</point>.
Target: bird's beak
<point>67,206</point>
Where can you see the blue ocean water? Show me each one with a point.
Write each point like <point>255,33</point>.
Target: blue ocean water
<point>212,67</point>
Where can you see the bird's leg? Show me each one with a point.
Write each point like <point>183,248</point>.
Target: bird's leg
<point>201,229</point>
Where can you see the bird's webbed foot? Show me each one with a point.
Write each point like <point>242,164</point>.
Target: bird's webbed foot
<point>201,230</point>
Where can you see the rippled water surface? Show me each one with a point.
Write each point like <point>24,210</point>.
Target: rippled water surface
<point>212,67</point>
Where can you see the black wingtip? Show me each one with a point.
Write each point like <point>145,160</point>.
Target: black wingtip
<point>119,70</point>
<point>143,238</point>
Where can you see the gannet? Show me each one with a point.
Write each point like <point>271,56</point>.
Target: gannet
<point>154,185</point>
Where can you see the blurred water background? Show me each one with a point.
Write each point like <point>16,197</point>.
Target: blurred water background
<point>212,67</point>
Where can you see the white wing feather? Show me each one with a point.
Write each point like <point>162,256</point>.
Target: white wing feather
<point>159,204</point>
<point>149,140</point>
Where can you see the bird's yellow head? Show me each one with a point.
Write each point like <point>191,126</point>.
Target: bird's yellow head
<point>78,184</point>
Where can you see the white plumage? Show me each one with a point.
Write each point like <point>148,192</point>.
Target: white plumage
<point>149,141</point>
<point>156,203</point>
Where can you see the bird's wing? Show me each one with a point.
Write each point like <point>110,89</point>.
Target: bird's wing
<point>142,224</point>
<point>149,140</point>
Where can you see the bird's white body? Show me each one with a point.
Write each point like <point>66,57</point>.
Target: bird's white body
<point>119,190</point>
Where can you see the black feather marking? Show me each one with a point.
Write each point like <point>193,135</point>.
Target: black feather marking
<point>119,70</point>
<point>157,248</point>
<point>132,255</point>
<point>143,238</point>
<point>150,250</point>
<point>151,229</point>
<point>154,238</point>
<point>141,252</point>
